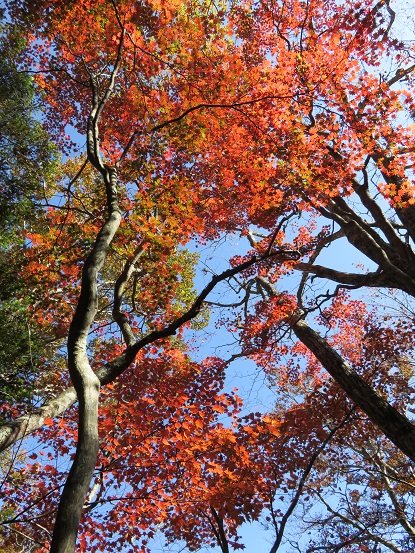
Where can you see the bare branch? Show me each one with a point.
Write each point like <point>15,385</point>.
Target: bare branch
<point>301,484</point>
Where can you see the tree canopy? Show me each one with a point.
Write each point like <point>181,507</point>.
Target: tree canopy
<point>276,135</point>
<point>27,161</point>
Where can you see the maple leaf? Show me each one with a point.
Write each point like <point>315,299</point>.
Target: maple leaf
<point>203,121</point>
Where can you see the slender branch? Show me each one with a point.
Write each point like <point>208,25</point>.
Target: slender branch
<point>362,528</point>
<point>321,244</point>
<point>220,533</point>
<point>93,148</point>
<point>301,484</point>
<point>402,518</point>
<point>185,113</point>
<point>119,317</point>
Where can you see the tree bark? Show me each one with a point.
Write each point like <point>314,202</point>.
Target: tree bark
<point>393,424</point>
<point>16,430</point>
<point>396,426</point>
<point>85,381</point>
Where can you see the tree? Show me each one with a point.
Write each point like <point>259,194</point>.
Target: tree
<point>28,160</point>
<point>359,494</point>
<point>321,154</point>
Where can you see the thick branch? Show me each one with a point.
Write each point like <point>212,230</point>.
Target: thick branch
<point>374,279</point>
<point>363,237</point>
<point>393,424</point>
<point>14,431</point>
<point>379,217</point>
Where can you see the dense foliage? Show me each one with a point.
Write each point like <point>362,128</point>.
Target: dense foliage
<point>27,162</point>
<point>240,172</point>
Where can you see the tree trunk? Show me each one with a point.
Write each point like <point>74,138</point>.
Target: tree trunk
<point>393,424</point>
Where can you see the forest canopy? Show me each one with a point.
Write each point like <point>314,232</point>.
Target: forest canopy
<point>197,197</point>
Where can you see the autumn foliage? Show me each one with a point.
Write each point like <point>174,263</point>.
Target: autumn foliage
<point>235,190</point>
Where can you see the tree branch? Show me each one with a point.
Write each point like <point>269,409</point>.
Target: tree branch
<point>398,428</point>
<point>11,432</point>
<point>373,279</point>
<point>301,484</point>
